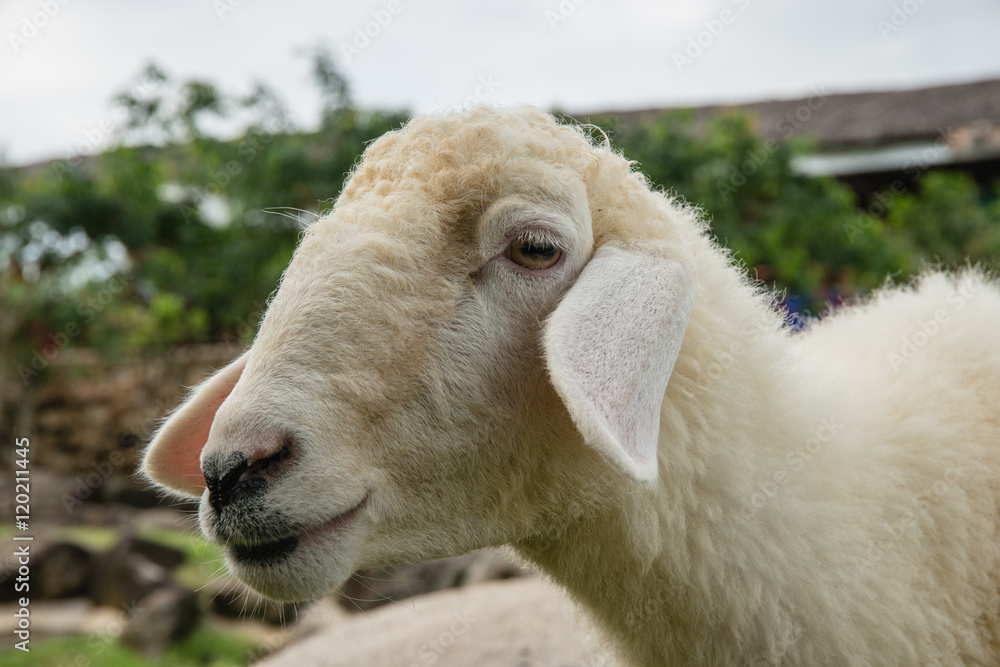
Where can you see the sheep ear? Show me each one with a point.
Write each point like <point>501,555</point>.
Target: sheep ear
<point>611,345</point>
<point>173,458</point>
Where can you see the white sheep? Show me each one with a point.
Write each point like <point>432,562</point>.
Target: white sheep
<point>474,349</point>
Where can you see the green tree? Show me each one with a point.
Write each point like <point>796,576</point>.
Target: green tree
<point>787,229</point>
<point>193,229</point>
<point>197,228</point>
<point>949,219</point>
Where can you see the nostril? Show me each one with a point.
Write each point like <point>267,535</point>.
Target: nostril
<point>269,464</point>
<point>222,476</point>
<point>231,480</point>
<point>227,477</point>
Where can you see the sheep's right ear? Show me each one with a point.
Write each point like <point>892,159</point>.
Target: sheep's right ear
<point>610,346</point>
<point>173,458</point>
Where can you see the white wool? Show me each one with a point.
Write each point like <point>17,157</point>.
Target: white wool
<point>825,498</point>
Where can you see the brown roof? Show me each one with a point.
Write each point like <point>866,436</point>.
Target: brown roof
<point>859,119</point>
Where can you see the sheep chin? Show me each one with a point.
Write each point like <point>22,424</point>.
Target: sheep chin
<point>306,566</point>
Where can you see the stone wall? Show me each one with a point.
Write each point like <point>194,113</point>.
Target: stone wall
<point>83,406</point>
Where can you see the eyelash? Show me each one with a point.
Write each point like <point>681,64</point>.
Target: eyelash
<point>536,236</point>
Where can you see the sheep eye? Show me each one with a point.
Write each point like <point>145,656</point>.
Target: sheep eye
<point>532,253</point>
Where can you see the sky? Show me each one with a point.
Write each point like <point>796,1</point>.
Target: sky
<point>62,61</point>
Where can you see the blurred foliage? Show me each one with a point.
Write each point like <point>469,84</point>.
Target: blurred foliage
<point>809,237</point>
<point>172,235</point>
<point>203,561</point>
<point>950,220</point>
<point>175,235</point>
<point>204,648</point>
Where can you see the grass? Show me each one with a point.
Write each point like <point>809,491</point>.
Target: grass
<point>204,559</point>
<point>203,562</point>
<point>204,648</point>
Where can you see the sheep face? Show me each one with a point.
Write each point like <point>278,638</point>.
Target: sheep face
<point>396,404</point>
<point>357,366</point>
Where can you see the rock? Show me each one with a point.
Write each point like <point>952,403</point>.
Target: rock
<point>122,578</point>
<point>234,599</point>
<point>166,557</point>
<point>523,622</point>
<point>126,490</point>
<point>165,616</point>
<point>61,570</point>
<point>368,589</point>
<point>58,570</point>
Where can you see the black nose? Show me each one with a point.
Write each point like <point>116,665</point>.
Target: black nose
<point>224,477</point>
<point>231,477</point>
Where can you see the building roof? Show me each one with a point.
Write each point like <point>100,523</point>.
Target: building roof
<point>855,120</point>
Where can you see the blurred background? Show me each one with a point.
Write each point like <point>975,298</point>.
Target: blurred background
<point>159,161</point>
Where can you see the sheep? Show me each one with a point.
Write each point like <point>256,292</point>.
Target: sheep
<point>502,335</point>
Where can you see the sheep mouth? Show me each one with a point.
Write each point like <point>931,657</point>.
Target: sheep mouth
<point>265,555</point>
<point>268,554</point>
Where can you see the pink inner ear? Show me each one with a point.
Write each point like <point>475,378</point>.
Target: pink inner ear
<point>173,458</point>
<point>183,458</point>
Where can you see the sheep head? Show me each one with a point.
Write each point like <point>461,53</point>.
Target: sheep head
<point>488,316</point>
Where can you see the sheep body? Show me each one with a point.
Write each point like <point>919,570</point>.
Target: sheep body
<point>823,498</point>
<point>850,519</point>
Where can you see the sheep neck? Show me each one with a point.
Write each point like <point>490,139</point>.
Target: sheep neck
<point>675,562</point>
